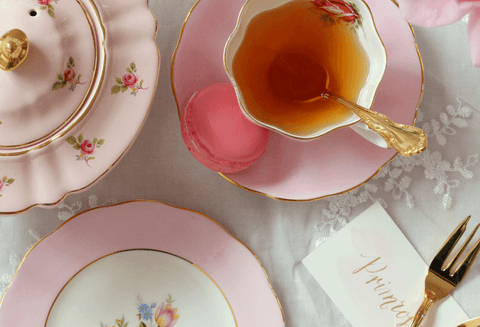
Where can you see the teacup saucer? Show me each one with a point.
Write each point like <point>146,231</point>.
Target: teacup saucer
<point>333,164</point>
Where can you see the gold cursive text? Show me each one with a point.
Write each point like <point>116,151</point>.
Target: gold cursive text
<point>388,300</point>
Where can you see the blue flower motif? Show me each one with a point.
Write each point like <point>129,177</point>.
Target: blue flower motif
<point>147,314</point>
<point>142,308</point>
<point>154,305</point>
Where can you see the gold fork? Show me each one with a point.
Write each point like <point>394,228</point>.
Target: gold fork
<point>471,323</point>
<point>441,281</point>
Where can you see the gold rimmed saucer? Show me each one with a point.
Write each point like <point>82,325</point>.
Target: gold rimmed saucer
<point>306,171</point>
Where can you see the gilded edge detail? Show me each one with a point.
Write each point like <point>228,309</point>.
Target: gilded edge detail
<point>172,69</point>
<point>77,115</point>
<point>149,201</point>
<point>52,204</point>
<point>139,249</point>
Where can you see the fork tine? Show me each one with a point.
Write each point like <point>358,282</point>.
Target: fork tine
<point>448,246</point>
<point>468,261</point>
<point>460,252</point>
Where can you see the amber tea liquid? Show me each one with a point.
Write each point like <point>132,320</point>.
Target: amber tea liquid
<point>287,35</point>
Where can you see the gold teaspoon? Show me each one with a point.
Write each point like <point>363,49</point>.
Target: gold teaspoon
<point>407,140</point>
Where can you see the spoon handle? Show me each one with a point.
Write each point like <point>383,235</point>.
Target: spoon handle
<point>407,140</point>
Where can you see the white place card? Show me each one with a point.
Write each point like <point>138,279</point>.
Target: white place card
<point>375,276</point>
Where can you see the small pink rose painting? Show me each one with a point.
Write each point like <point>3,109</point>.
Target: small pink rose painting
<point>69,76</point>
<point>86,147</point>
<point>47,5</point>
<point>129,81</point>
<point>339,11</point>
<point>5,181</point>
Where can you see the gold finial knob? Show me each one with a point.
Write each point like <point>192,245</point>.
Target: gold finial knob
<point>14,48</point>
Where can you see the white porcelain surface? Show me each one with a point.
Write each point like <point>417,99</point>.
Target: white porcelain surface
<point>117,286</point>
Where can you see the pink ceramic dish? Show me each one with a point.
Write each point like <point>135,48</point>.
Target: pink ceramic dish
<point>94,235</point>
<point>333,164</point>
<point>78,101</point>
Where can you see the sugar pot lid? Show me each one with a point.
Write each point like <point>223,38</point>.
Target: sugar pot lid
<point>52,62</point>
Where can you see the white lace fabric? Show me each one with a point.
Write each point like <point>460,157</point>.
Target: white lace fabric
<point>426,195</point>
<point>435,166</point>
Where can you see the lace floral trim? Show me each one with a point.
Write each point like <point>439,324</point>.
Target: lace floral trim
<point>6,278</point>
<point>394,177</point>
<point>76,207</point>
<point>66,212</point>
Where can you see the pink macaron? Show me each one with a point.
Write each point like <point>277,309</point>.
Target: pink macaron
<point>217,133</point>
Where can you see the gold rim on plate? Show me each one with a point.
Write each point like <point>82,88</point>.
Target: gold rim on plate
<point>147,201</point>
<point>73,120</point>
<point>53,204</point>
<point>172,69</point>
<point>131,250</point>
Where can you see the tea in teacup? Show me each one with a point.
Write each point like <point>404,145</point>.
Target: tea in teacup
<point>278,54</point>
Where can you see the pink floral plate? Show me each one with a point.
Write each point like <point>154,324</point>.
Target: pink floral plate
<point>74,106</point>
<point>335,163</point>
<point>140,263</point>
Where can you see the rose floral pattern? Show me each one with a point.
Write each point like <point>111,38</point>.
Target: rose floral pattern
<point>47,5</point>
<point>339,11</point>
<point>129,81</point>
<point>86,147</point>
<point>5,181</point>
<point>69,76</point>
<point>165,315</point>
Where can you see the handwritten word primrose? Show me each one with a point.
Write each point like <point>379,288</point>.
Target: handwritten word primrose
<point>372,273</point>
